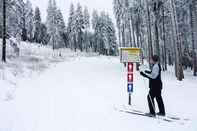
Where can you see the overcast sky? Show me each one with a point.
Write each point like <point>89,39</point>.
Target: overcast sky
<point>64,5</point>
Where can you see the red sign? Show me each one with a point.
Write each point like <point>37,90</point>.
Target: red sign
<point>130,67</point>
<point>130,77</point>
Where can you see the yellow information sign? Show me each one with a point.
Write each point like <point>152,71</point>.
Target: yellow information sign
<point>130,55</point>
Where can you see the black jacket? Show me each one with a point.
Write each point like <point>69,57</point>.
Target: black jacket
<point>154,83</point>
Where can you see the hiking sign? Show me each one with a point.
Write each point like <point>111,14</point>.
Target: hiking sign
<point>130,55</point>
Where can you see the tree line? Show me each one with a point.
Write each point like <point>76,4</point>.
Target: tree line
<point>167,28</point>
<point>96,34</point>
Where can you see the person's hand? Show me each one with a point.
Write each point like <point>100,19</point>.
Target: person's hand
<point>142,68</point>
<point>148,72</point>
<point>143,74</point>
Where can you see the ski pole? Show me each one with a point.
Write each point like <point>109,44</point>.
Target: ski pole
<point>153,105</point>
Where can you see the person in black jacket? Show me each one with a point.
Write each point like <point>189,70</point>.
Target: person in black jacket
<point>155,85</point>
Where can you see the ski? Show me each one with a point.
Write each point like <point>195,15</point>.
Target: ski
<point>167,118</point>
<point>144,115</point>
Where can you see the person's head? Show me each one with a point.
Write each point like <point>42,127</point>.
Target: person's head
<point>154,59</point>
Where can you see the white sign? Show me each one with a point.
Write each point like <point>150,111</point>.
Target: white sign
<point>130,55</point>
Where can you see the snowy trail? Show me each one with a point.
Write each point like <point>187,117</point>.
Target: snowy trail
<point>80,95</point>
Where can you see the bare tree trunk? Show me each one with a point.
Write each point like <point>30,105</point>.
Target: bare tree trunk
<point>193,32</point>
<point>150,48</point>
<point>75,43</point>
<point>133,33</point>
<point>157,47</point>
<point>119,36</point>
<point>123,35</point>
<point>4,32</point>
<point>138,30</point>
<point>130,28</point>
<point>195,45</point>
<point>164,40</point>
<point>178,54</point>
<point>156,26</point>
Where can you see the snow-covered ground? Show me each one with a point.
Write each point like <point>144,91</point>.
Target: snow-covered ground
<point>32,61</point>
<point>80,94</point>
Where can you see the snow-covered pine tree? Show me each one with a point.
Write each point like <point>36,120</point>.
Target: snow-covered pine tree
<point>29,20</point>
<point>87,27</point>
<point>79,26</point>
<point>60,28</point>
<point>22,10</point>
<point>50,18</point>
<point>70,28</point>
<point>95,20</point>
<point>104,34</point>
<point>43,34</point>
<point>19,18</point>
<point>111,33</point>
<point>37,26</point>
<point>103,26</point>
<point>55,25</point>
<point>14,15</point>
<point>51,23</point>
<point>86,18</point>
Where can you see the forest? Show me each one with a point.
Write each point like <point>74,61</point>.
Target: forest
<point>25,23</point>
<point>167,28</point>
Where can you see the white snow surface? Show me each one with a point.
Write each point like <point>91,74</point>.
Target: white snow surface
<point>79,94</point>
<point>32,61</point>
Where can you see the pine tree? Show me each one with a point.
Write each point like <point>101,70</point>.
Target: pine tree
<point>29,20</point>
<point>104,34</point>
<point>55,25</point>
<point>50,19</point>
<point>70,28</point>
<point>95,26</point>
<point>43,34</point>
<point>37,26</point>
<point>87,27</point>
<point>13,18</point>
<point>51,23</point>
<point>23,21</point>
<point>86,18</point>
<point>111,32</point>
<point>60,28</point>
<point>95,18</point>
<point>79,26</point>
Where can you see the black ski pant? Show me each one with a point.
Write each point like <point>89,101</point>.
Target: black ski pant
<point>155,94</point>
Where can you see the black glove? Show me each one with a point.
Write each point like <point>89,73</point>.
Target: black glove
<point>148,72</point>
<point>143,74</point>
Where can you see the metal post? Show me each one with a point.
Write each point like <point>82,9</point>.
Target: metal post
<point>129,98</point>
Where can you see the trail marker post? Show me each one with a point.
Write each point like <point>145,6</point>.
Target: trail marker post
<point>130,56</point>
